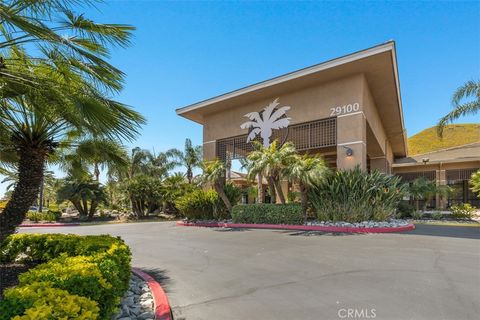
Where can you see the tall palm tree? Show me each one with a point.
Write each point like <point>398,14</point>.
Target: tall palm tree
<point>214,174</point>
<point>190,158</point>
<point>264,123</point>
<point>306,170</point>
<point>271,162</point>
<point>471,89</point>
<point>36,130</point>
<point>54,81</point>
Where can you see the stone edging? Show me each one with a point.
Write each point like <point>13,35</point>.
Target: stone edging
<point>160,301</point>
<point>299,227</point>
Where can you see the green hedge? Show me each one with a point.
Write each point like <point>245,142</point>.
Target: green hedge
<point>268,213</point>
<point>93,268</point>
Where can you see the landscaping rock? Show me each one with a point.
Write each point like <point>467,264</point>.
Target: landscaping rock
<point>137,302</point>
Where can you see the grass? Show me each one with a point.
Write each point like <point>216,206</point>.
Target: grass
<point>454,135</point>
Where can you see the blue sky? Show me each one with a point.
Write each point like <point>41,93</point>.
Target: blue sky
<point>184,52</point>
<point>188,51</point>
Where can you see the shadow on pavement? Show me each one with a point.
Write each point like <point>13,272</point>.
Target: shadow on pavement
<point>445,231</point>
<point>159,275</point>
<point>230,229</point>
<point>318,233</point>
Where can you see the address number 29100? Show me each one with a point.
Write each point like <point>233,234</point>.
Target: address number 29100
<point>348,108</point>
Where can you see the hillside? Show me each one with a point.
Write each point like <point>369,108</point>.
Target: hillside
<point>454,135</point>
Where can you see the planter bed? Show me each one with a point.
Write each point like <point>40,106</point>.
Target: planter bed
<point>362,227</point>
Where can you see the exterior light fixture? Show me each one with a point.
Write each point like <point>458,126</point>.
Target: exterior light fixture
<point>425,160</point>
<point>348,151</point>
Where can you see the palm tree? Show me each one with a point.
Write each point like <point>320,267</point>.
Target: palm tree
<point>263,124</point>
<point>214,174</point>
<point>99,153</point>
<point>271,162</point>
<point>53,31</point>
<point>56,94</point>
<point>469,89</point>
<point>306,170</point>
<point>190,158</point>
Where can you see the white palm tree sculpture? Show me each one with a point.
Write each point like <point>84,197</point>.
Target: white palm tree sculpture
<point>263,123</point>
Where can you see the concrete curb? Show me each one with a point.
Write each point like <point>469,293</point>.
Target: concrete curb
<point>29,225</point>
<point>160,301</point>
<point>298,227</point>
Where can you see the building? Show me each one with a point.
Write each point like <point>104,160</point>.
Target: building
<point>348,109</point>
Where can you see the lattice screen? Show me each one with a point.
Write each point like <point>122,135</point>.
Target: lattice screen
<point>305,136</point>
<point>410,176</point>
<point>456,175</point>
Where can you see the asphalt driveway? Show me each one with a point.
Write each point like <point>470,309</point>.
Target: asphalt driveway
<point>430,273</point>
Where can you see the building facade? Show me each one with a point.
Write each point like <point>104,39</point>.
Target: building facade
<point>348,110</point>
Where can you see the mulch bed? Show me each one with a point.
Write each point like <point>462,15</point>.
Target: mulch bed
<point>9,274</point>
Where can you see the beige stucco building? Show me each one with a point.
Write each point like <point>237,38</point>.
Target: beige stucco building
<point>348,109</point>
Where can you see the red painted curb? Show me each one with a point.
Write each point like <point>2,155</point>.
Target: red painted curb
<point>298,227</point>
<point>160,300</point>
<point>27,225</point>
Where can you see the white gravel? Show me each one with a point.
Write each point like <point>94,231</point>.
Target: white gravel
<point>137,302</point>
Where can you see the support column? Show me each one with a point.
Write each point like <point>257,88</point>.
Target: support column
<point>441,180</point>
<point>351,135</point>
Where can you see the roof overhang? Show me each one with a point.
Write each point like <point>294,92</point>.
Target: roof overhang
<point>378,64</point>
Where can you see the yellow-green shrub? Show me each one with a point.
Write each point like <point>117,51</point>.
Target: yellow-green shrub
<point>94,267</point>
<point>39,301</point>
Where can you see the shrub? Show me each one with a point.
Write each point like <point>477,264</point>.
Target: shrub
<point>40,301</point>
<point>50,215</point>
<point>404,209</point>
<point>200,204</point>
<point>94,267</point>
<point>417,215</point>
<point>268,213</point>
<point>437,215</point>
<point>462,211</point>
<point>355,195</point>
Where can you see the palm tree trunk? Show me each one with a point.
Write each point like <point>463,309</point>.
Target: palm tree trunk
<point>261,192</point>
<point>223,196</point>
<point>30,173</point>
<point>276,181</point>
<point>189,175</point>
<point>40,197</point>
<point>96,172</point>
<point>91,212</point>
<point>271,187</point>
<point>303,201</point>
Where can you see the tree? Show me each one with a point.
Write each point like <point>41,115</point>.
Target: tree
<point>99,153</point>
<point>425,189</point>
<point>306,170</point>
<point>270,118</point>
<point>60,92</point>
<point>469,89</point>
<point>214,174</point>
<point>84,195</point>
<point>271,162</point>
<point>475,182</point>
<point>173,187</point>
<point>190,158</point>
<point>145,194</point>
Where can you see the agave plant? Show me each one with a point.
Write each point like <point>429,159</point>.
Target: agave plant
<point>263,124</point>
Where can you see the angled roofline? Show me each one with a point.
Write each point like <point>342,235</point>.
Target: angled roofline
<point>387,46</point>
